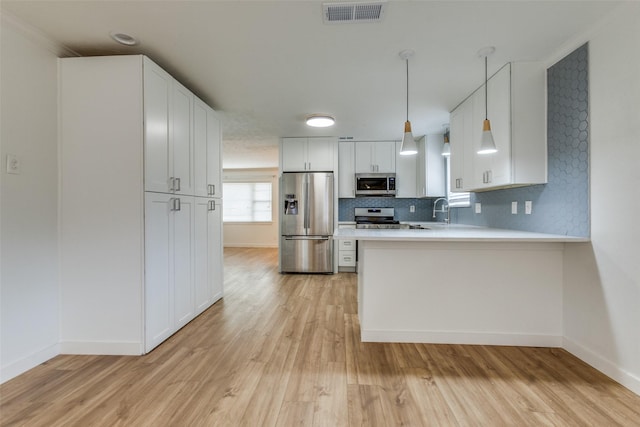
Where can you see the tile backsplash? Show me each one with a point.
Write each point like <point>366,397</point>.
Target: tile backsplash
<point>424,207</point>
<point>562,205</point>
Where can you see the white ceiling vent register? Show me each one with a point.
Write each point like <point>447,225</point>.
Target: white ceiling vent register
<point>345,13</point>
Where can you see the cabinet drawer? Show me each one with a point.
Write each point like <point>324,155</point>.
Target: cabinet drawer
<point>347,259</point>
<point>347,245</point>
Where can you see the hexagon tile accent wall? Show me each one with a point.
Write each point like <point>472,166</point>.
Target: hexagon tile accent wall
<point>562,205</point>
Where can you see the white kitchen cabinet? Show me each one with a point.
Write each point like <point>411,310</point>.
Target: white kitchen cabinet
<point>307,154</point>
<point>346,170</point>
<point>347,252</point>
<point>129,257</point>
<point>516,109</point>
<point>406,169</point>
<point>430,177</point>
<point>375,156</point>
<point>207,253</point>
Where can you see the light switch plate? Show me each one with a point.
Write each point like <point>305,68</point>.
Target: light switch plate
<point>528,206</point>
<point>13,164</point>
<point>478,208</point>
<point>514,208</point>
<point>412,208</point>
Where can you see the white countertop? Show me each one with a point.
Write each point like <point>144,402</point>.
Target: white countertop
<point>439,232</point>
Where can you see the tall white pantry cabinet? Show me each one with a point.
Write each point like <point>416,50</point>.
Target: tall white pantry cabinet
<point>140,205</point>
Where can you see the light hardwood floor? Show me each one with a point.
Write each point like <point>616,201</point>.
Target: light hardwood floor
<point>285,350</point>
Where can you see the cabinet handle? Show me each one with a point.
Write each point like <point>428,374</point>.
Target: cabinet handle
<point>347,258</point>
<point>211,189</point>
<point>347,243</point>
<point>175,204</point>
<point>172,184</point>
<point>489,177</point>
<point>177,180</point>
<point>309,165</point>
<point>212,205</point>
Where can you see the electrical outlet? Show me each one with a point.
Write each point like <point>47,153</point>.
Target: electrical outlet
<point>412,208</point>
<point>13,164</point>
<point>514,208</point>
<point>528,206</point>
<point>478,208</point>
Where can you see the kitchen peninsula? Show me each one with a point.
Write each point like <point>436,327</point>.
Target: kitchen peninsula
<point>460,284</point>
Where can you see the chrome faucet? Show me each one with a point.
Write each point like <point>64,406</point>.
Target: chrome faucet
<point>442,209</point>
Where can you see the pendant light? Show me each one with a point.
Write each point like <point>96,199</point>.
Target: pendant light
<point>409,145</point>
<point>487,144</point>
<point>446,147</point>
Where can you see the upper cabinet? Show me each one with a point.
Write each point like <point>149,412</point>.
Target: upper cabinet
<point>375,156</point>
<point>307,154</point>
<point>406,168</point>
<point>181,138</point>
<point>430,177</point>
<point>516,109</point>
<point>207,137</point>
<point>346,169</point>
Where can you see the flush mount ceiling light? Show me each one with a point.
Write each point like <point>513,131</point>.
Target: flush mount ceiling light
<point>409,146</point>
<point>123,38</point>
<point>320,120</point>
<point>487,144</point>
<point>446,148</point>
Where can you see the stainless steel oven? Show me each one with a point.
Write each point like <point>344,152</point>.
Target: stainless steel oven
<point>376,184</point>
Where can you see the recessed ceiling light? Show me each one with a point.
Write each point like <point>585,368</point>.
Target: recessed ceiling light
<point>320,120</point>
<point>123,38</point>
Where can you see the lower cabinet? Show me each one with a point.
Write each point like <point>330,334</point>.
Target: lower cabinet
<point>183,271</point>
<point>347,252</point>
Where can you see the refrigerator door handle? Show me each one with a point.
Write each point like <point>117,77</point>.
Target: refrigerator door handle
<point>306,237</point>
<point>306,203</point>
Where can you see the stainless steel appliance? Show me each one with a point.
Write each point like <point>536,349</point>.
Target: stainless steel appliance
<point>376,184</point>
<point>375,218</point>
<point>306,222</point>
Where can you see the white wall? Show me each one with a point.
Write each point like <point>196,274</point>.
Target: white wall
<point>246,235</point>
<point>28,201</point>
<point>602,279</point>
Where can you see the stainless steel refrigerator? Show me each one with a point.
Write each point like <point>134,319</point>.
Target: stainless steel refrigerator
<point>306,222</point>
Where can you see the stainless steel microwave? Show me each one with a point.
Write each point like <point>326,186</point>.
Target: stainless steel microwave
<point>376,184</point>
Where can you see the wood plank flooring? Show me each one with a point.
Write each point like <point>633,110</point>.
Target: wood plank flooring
<point>285,350</point>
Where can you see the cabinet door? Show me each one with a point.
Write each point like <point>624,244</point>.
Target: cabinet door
<point>461,144</point>
<point>320,154</point>
<point>200,141</point>
<point>294,154</point>
<point>215,242</point>
<point>346,170</point>
<point>183,248</point>
<point>158,164</point>
<point>158,293</point>
<point>492,170</point>
<point>365,157</point>
<point>214,156</point>
<point>385,156</point>
<point>405,173</point>
<point>181,139</point>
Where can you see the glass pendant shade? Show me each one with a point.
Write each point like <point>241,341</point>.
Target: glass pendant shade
<point>409,145</point>
<point>487,145</point>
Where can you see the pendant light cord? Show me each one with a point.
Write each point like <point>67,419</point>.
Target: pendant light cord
<point>407,61</point>
<point>486,90</point>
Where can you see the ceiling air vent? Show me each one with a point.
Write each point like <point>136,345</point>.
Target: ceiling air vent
<point>345,13</point>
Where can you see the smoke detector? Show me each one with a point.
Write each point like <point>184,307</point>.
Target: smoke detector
<point>351,12</point>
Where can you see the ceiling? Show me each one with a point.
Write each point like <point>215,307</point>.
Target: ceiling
<point>265,65</point>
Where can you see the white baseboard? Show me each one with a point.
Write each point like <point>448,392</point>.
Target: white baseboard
<point>23,365</point>
<point>607,367</point>
<point>102,348</point>
<point>471,338</point>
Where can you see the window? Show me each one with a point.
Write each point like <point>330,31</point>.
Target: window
<point>247,202</point>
